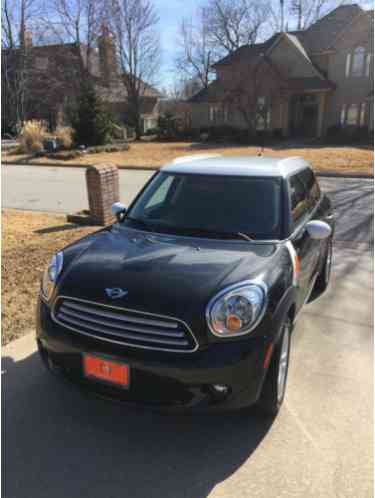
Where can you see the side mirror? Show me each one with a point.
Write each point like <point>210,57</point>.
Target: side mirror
<point>118,210</point>
<point>318,230</point>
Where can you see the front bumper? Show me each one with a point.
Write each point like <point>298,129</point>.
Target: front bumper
<point>159,379</point>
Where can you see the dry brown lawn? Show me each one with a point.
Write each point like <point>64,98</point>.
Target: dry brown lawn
<point>28,241</point>
<point>152,155</point>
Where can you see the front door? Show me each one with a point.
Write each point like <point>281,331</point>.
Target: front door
<point>304,115</point>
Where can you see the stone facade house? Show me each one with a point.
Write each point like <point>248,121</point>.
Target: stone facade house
<point>323,78</point>
<point>52,76</point>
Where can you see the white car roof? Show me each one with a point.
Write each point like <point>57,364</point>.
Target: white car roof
<point>216,164</point>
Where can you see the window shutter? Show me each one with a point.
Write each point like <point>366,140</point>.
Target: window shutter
<point>348,61</point>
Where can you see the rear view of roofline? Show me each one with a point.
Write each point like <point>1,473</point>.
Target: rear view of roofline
<point>216,164</point>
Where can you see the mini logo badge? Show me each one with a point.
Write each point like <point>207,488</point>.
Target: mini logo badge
<point>116,293</point>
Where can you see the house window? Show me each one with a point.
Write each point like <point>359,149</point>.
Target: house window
<point>362,114</point>
<point>263,117</point>
<point>218,113</point>
<point>358,61</point>
<point>352,115</point>
<point>348,64</point>
<point>342,115</point>
<point>368,64</point>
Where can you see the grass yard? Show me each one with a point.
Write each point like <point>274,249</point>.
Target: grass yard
<point>28,241</point>
<point>343,159</point>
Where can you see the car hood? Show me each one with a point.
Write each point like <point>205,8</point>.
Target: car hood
<point>167,275</point>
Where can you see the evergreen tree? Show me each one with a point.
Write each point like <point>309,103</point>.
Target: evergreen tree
<point>92,123</point>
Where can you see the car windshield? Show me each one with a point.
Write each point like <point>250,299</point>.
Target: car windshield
<point>210,206</point>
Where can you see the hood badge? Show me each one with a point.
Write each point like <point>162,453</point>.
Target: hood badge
<point>116,292</point>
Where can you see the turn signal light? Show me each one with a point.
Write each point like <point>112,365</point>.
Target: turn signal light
<point>233,322</point>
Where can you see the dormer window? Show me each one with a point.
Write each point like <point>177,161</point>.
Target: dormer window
<point>357,63</point>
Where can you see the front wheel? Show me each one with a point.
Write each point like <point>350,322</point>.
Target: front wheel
<point>273,392</point>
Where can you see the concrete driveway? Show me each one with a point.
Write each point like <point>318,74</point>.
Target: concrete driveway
<point>60,443</point>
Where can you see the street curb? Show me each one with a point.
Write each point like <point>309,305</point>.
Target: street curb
<point>327,174</point>
<point>78,165</point>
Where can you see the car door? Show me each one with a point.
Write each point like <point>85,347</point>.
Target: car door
<point>303,203</point>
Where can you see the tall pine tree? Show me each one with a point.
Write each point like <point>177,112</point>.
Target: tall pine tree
<point>91,122</point>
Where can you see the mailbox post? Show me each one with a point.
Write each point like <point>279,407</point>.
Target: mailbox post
<point>103,190</point>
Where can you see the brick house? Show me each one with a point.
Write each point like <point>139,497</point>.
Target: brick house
<point>53,75</point>
<point>324,74</point>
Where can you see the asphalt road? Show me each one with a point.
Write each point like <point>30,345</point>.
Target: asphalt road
<point>59,190</point>
<point>59,443</point>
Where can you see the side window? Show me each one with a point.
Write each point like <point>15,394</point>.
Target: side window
<point>308,178</point>
<point>161,193</point>
<point>298,199</point>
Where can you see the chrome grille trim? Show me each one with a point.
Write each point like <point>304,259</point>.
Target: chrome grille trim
<point>79,314</point>
<point>132,319</point>
<point>131,328</point>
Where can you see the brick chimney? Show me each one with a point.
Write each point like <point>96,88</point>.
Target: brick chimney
<point>107,55</point>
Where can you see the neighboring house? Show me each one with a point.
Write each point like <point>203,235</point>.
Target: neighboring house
<point>52,80</point>
<point>326,75</point>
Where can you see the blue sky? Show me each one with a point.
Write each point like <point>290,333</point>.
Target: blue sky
<point>171,12</point>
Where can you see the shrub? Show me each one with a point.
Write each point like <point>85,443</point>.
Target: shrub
<point>92,123</point>
<point>32,135</point>
<point>64,137</point>
<point>340,135</point>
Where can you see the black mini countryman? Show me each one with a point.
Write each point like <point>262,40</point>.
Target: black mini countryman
<point>189,299</point>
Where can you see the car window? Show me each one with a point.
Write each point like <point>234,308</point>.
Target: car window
<point>160,194</point>
<point>308,178</point>
<point>299,199</point>
<point>189,204</point>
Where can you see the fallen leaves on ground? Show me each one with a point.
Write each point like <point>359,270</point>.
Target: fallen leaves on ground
<point>29,240</point>
<point>353,159</point>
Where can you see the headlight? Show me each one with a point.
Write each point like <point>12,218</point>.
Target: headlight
<point>51,274</point>
<point>237,310</point>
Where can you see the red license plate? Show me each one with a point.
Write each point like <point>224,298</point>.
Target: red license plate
<point>106,370</point>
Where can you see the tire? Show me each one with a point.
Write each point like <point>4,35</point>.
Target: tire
<point>273,392</point>
<point>324,276</point>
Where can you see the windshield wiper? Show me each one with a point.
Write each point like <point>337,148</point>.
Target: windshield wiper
<point>207,231</point>
<point>245,236</point>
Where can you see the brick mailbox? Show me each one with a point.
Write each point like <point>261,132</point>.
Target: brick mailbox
<point>102,190</point>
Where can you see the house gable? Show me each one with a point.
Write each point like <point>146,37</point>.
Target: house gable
<point>291,58</point>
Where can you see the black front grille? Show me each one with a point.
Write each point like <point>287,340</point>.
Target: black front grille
<point>123,326</point>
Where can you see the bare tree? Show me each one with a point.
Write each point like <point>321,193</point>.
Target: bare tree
<point>134,23</point>
<point>196,54</point>
<point>306,12</point>
<point>78,22</point>
<point>256,86</point>
<point>276,17</point>
<point>17,21</point>
<point>233,23</point>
